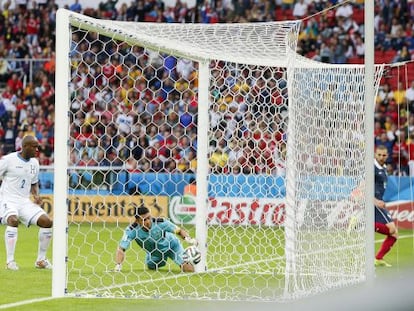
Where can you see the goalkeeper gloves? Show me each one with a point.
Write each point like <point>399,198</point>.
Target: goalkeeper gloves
<point>118,267</point>
<point>191,241</point>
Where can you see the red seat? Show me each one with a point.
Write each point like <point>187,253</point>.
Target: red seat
<point>279,14</point>
<point>381,59</point>
<point>384,57</point>
<point>355,60</point>
<point>288,15</point>
<point>389,55</point>
<point>149,18</point>
<point>358,16</point>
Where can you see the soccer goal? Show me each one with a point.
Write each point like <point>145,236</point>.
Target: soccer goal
<point>274,143</point>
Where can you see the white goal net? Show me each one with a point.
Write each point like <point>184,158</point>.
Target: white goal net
<point>273,142</point>
<point>326,219</point>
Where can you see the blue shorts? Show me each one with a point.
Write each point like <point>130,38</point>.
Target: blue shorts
<point>175,252</point>
<point>382,215</point>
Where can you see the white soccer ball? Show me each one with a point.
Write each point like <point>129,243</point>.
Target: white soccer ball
<point>192,255</point>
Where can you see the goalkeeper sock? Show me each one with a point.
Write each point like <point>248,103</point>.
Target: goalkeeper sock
<point>382,228</point>
<point>45,235</point>
<point>386,246</point>
<point>10,237</point>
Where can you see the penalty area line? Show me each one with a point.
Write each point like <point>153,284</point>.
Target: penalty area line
<point>24,302</point>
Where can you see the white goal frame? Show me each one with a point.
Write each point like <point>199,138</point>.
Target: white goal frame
<point>202,55</point>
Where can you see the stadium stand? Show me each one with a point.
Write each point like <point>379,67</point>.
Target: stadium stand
<point>27,43</point>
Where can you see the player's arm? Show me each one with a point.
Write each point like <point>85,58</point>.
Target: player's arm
<point>185,236</point>
<point>3,166</point>
<point>169,226</point>
<point>379,203</point>
<point>120,251</point>
<point>34,190</point>
<point>119,258</point>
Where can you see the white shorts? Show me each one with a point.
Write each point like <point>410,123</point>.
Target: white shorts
<point>27,211</point>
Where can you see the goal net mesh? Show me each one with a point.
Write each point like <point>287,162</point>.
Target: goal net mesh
<point>284,150</point>
<point>325,222</point>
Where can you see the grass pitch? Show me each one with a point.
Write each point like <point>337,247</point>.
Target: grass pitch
<point>30,288</point>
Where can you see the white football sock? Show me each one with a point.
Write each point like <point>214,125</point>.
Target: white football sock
<point>10,237</point>
<point>45,235</point>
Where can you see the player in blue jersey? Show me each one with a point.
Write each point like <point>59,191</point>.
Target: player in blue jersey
<point>383,221</point>
<point>158,237</point>
<point>20,172</point>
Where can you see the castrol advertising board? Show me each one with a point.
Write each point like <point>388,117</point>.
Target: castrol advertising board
<point>229,211</point>
<point>403,213</point>
<point>269,212</point>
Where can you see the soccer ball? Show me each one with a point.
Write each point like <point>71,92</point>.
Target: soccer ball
<point>192,255</point>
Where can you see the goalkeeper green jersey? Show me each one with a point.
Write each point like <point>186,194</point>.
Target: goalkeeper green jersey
<point>157,241</point>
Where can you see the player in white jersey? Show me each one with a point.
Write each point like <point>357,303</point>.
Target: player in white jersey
<point>20,172</point>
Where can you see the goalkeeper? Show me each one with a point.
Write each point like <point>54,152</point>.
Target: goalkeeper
<point>158,237</point>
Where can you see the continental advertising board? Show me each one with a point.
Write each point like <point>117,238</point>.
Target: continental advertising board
<point>111,208</point>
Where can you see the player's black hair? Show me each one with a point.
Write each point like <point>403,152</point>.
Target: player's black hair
<point>142,210</point>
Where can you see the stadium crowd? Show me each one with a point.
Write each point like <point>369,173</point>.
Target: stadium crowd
<point>145,117</point>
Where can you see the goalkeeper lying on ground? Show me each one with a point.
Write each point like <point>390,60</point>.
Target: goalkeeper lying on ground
<point>158,237</point>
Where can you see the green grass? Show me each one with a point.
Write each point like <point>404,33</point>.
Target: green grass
<point>90,264</point>
<point>29,283</point>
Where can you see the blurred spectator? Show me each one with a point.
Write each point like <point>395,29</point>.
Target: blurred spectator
<point>191,187</point>
<point>18,140</point>
<point>184,68</point>
<point>326,54</point>
<point>385,94</point>
<point>359,46</point>
<point>409,97</point>
<point>300,9</point>
<point>382,40</point>
<point>402,55</point>
<point>287,4</point>
<point>192,160</point>
<point>33,28</point>
<point>411,155</point>
<point>124,120</point>
<point>10,134</point>
<point>76,7</point>
<point>124,109</point>
<point>15,84</point>
<point>218,160</point>
<point>399,94</point>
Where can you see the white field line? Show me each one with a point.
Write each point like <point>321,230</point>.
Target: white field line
<point>31,301</point>
<point>24,302</point>
<point>228,269</point>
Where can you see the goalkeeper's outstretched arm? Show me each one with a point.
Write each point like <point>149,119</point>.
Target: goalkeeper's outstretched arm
<point>119,259</point>
<point>185,236</point>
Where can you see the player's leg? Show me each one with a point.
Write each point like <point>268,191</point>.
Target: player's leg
<point>35,215</point>
<point>384,225</point>
<point>154,262</point>
<point>10,218</point>
<point>45,236</point>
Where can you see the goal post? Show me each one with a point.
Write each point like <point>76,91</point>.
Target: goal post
<point>325,164</point>
<point>202,163</point>
<point>142,109</point>
<point>60,217</point>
